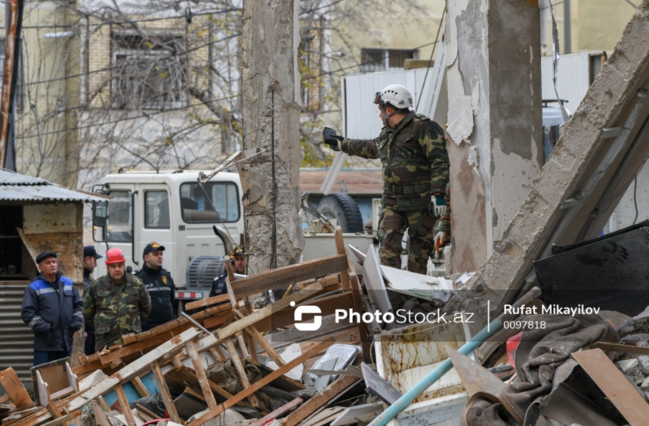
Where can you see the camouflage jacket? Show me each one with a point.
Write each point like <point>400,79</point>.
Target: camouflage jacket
<point>115,310</point>
<point>414,158</point>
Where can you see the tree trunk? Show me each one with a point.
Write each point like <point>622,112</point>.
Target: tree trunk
<point>271,114</point>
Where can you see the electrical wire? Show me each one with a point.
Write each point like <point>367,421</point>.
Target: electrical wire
<point>162,58</point>
<point>439,30</point>
<point>147,115</point>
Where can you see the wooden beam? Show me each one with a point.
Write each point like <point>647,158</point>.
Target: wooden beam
<point>131,370</point>
<point>55,422</point>
<point>15,388</point>
<point>359,306</point>
<point>167,400</point>
<point>261,383</point>
<point>208,302</point>
<point>200,374</point>
<point>146,411</point>
<point>234,356</point>
<point>269,280</point>
<point>139,387</point>
<point>123,403</point>
<point>319,400</point>
<point>55,411</point>
<point>266,347</point>
<point>281,410</point>
<point>100,416</point>
<point>340,249</point>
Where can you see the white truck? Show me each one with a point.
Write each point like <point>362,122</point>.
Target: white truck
<point>197,226</point>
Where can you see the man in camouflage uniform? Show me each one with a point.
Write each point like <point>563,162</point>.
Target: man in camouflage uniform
<point>415,162</point>
<point>115,304</point>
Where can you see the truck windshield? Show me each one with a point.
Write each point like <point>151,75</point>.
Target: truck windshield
<point>219,202</point>
<point>119,224</point>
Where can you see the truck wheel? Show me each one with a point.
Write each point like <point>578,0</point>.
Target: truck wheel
<point>344,209</point>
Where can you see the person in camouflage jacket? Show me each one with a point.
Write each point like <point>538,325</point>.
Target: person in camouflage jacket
<point>115,304</point>
<point>412,149</point>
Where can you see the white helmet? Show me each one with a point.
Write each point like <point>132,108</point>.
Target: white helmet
<point>395,95</point>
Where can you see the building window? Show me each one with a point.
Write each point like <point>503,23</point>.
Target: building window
<point>147,71</point>
<point>385,59</point>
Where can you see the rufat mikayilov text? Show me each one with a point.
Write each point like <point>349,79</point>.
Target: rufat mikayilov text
<point>550,309</point>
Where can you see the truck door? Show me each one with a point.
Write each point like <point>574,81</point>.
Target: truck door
<point>113,222</point>
<point>156,224</point>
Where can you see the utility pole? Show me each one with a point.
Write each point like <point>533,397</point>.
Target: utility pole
<point>271,116</point>
<point>13,26</point>
<point>567,28</point>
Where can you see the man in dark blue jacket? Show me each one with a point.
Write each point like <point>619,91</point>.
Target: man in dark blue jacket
<point>52,308</point>
<point>159,285</point>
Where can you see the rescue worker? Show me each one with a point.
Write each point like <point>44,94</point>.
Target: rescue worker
<point>90,257</point>
<point>52,308</point>
<point>115,304</point>
<point>415,163</point>
<point>237,257</point>
<point>159,285</point>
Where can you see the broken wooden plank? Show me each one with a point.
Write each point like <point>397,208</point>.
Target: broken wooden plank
<point>378,386</point>
<point>55,411</point>
<point>261,383</point>
<point>614,385</point>
<point>238,366</point>
<point>263,343</point>
<point>359,305</point>
<point>55,422</point>
<point>124,406</point>
<point>208,302</point>
<point>139,387</point>
<point>281,410</point>
<point>340,249</point>
<point>270,280</point>
<point>351,414</point>
<point>146,411</point>
<point>319,400</point>
<point>200,373</point>
<point>100,416</point>
<point>167,400</point>
<point>626,349</point>
<point>474,376</point>
<point>131,370</point>
<point>15,388</point>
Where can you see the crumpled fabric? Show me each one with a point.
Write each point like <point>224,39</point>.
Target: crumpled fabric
<point>543,360</point>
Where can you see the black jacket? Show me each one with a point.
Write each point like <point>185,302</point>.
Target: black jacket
<point>160,286</point>
<point>53,311</point>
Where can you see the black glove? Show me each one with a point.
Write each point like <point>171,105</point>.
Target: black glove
<point>331,138</point>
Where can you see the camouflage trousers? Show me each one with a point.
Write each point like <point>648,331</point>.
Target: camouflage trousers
<point>392,226</point>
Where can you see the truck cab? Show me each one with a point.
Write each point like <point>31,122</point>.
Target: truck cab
<point>174,210</point>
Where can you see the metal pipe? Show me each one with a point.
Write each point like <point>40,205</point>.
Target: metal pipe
<point>407,399</point>
<point>567,29</point>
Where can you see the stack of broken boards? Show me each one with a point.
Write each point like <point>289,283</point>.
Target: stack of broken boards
<point>329,283</point>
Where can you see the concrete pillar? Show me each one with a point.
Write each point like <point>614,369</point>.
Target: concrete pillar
<point>271,118</point>
<point>496,146</point>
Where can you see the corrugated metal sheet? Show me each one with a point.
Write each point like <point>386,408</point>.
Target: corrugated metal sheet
<point>15,187</point>
<point>573,78</point>
<point>361,117</point>
<point>16,339</point>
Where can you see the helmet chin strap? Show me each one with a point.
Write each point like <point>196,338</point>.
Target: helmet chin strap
<point>386,121</point>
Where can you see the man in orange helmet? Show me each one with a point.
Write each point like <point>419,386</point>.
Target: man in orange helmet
<point>115,304</point>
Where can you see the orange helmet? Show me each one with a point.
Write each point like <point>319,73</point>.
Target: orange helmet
<point>114,255</point>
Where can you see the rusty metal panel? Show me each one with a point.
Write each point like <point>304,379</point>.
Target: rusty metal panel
<point>50,218</point>
<point>17,347</point>
<point>406,355</point>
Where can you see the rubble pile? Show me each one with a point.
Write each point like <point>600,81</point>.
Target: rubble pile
<point>227,364</point>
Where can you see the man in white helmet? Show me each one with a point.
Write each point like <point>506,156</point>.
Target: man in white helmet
<point>415,162</point>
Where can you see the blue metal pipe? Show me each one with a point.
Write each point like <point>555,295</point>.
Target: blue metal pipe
<point>407,399</point>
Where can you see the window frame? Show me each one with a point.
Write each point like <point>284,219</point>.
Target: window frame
<point>221,219</point>
<point>146,209</point>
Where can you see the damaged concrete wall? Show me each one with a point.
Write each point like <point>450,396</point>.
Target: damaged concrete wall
<point>496,148</point>
<point>271,113</point>
<point>618,89</point>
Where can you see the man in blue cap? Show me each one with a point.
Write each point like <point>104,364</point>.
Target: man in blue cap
<point>52,308</point>
<point>159,285</point>
<point>90,257</point>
